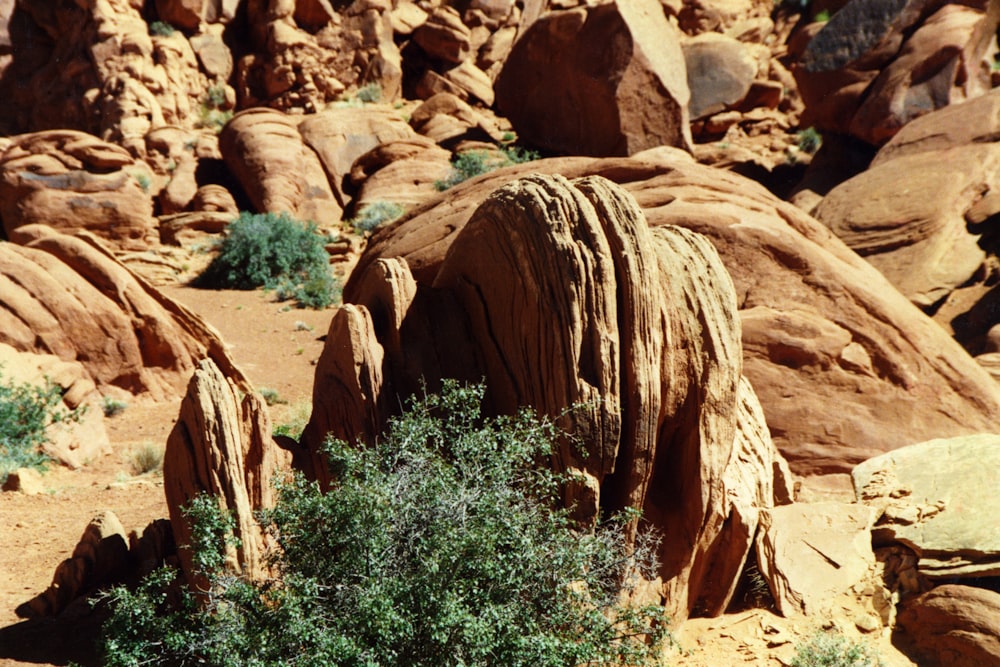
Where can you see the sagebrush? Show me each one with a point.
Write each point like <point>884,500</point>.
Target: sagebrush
<point>469,164</point>
<point>276,252</point>
<point>441,545</point>
<point>828,649</point>
<point>27,411</point>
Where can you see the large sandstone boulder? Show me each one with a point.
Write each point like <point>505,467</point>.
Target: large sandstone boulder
<point>70,180</point>
<point>877,65</point>
<point>844,365</point>
<point>221,446</point>
<point>919,214</point>
<point>637,327</point>
<point>563,95</point>
<point>67,296</point>
<point>953,626</point>
<point>934,498</point>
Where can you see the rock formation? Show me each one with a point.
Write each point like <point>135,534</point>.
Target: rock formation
<point>636,327</point>
<point>569,98</point>
<point>875,66</point>
<point>837,356</point>
<point>221,446</point>
<point>954,626</point>
<point>65,295</point>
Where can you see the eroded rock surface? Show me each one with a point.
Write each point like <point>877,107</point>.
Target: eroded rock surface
<point>844,365</point>
<point>954,626</point>
<point>563,95</point>
<point>930,497</point>
<point>636,326</point>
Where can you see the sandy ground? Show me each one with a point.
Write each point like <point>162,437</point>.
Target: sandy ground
<point>278,348</point>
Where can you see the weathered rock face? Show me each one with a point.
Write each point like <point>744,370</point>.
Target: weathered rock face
<point>949,525</point>
<point>811,553</point>
<point>306,54</point>
<point>67,296</point>
<point>877,65</point>
<point>563,95</point>
<point>221,445</point>
<point>636,326</point>
<point>844,365</point>
<point>71,180</point>
<point>954,626</point>
<point>920,212</point>
<point>124,82</point>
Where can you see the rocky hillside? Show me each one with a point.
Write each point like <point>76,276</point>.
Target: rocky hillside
<point>752,239</point>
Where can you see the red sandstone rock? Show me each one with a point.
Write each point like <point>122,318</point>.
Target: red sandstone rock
<point>954,626</point>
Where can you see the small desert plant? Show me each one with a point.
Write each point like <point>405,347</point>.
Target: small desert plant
<point>271,396</point>
<point>374,215</point>
<point>468,164</point>
<point>112,406</point>
<point>827,649</point>
<point>369,93</point>
<point>278,253</point>
<point>145,458</point>
<point>143,180</point>
<point>161,28</point>
<point>822,16</point>
<point>809,140</point>
<point>295,420</point>
<point>26,411</point>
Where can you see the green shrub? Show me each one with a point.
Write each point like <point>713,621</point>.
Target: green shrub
<point>438,546</point>
<point>468,164</point>
<point>161,28</point>
<point>112,406</point>
<point>275,252</point>
<point>26,411</point>
<point>369,93</point>
<point>376,214</point>
<point>827,649</point>
<point>809,140</point>
<point>295,420</point>
<point>145,458</point>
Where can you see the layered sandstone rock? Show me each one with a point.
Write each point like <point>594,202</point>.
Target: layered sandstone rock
<point>565,96</point>
<point>954,626</point>
<point>70,180</point>
<point>844,365</point>
<point>930,497</point>
<point>65,295</point>
<point>875,66</point>
<point>221,446</point>
<point>637,327</point>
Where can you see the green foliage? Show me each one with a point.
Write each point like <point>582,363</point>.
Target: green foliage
<point>161,28</point>
<point>112,406</point>
<point>26,411</point>
<point>271,396</point>
<point>827,649</point>
<point>822,17</point>
<point>295,421</point>
<point>147,457</point>
<point>275,252</point>
<point>376,214</point>
<point>473,163</point>
<point>370,93</point>
<point>809,140</point>
<point>438,546</point>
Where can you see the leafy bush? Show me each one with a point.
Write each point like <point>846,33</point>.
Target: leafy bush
<point>809,140</point>
<point>827,649</point>
<point>473,163</point>
<point>161,28</point>
<point>113,406</point>
<point>275,252</point>
<point>439,546</point>
<point>376,214</point>
<point>26,411</point>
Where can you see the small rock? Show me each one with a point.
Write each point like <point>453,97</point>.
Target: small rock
<point>24,480</point>
<point>867,623</point>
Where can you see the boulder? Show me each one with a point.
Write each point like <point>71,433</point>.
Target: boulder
<point>67,296</point>
<point>918,214</point>
<point>221,446</point>
<point>720,71</point>
<point>70,180</point>
<point>953,626</point>
<point>564,96</point>
<point>948,526</point>
<point>278,171</point>
<point>443,36</point>
<point>24,480</point>
<point>878,64</point>
<point>635,326</point>
<point>844,365</point>
<point>812,553</point>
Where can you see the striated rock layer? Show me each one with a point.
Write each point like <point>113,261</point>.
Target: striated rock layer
<point>844,365</point>
<point>560,295</point>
